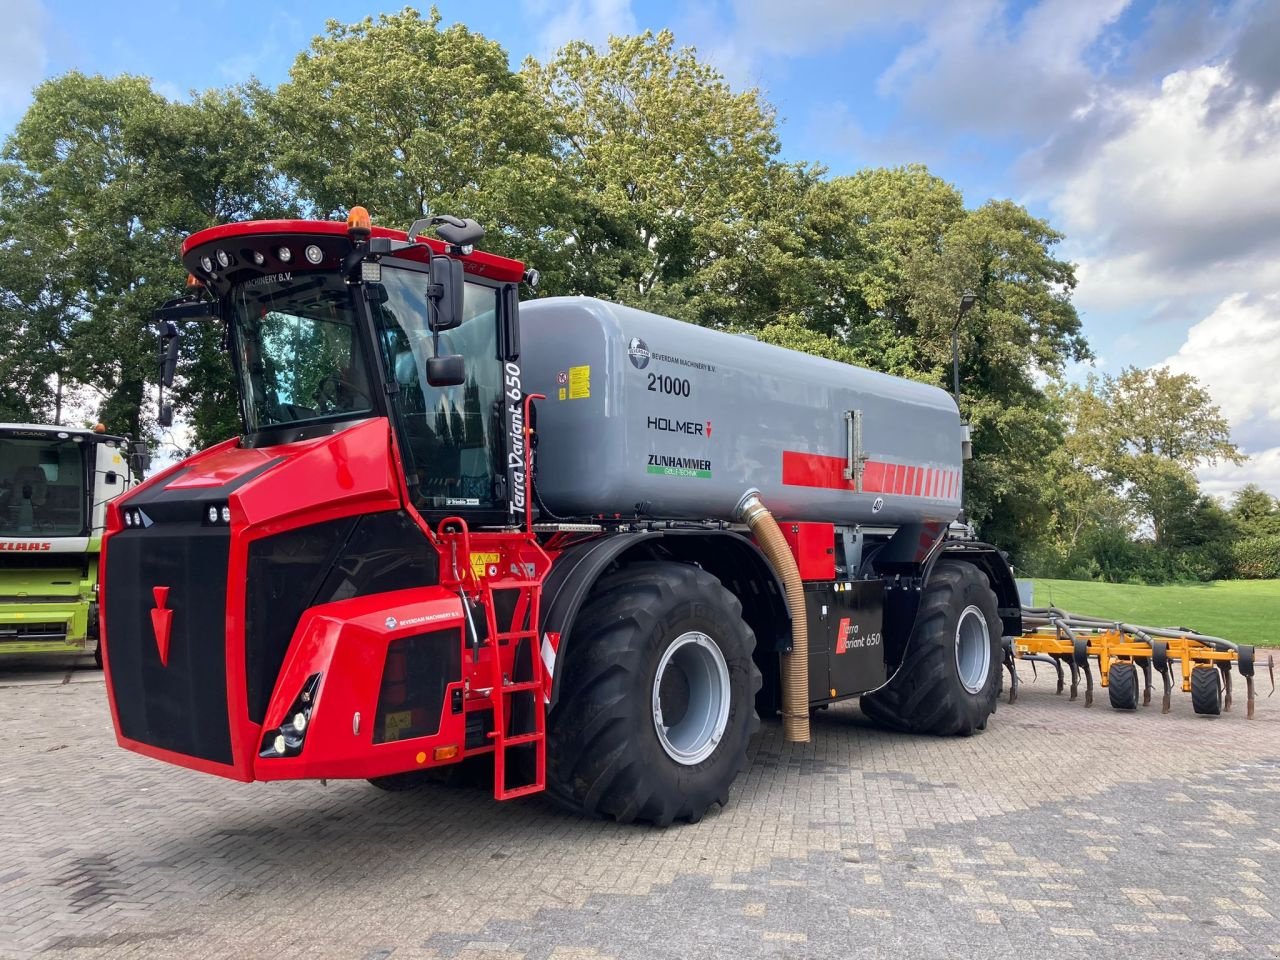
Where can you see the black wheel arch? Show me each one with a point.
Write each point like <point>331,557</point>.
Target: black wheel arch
<point>727,555</point>
<point>908,560</point>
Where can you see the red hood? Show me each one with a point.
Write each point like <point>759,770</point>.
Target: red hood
<point>273,483</point>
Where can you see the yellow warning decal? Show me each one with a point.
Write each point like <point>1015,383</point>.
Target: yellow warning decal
<point>396,722</point>
<point>481,562</point>
<point>580,382</point>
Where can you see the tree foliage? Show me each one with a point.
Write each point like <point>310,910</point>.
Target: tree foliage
<point>408,119</point>
<point>102,180</point>
<point>667,170</point>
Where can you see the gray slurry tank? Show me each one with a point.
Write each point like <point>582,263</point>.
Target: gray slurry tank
<point>647,415</point>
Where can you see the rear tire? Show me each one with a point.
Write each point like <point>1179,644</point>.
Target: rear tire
<point>949,679</point>
<point>1122,685</point>
<point>1206,691</point>
<point>657,700</point>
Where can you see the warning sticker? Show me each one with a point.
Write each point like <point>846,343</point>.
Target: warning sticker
<point>396,722</point>
<point>580,382</point>
<point>481,562</point>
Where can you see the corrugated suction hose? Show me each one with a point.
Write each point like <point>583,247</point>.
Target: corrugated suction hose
<point>795,665</point>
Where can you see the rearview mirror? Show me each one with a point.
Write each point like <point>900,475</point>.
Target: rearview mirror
<point>140,456</point>
<point>166,415</point>
<point>447,285</point>
<point>169,346</point>
<point>446,371</point>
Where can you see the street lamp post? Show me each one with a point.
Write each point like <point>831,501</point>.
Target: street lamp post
<point>967,302</point>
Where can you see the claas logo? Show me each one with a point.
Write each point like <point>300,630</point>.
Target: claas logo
<point>28,546</point>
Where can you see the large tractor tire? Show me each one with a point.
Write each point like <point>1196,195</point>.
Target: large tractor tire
<point>949,679</point>
<point>1122,685</point>
<point>1206,691</point>
<point>657,700</point>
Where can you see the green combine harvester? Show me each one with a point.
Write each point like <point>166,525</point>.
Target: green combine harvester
<point>55,483</point>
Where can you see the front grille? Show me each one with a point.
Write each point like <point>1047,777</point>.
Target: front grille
<point>21,632</point>
<point>181,706</point>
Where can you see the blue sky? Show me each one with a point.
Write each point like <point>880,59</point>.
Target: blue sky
<point>1148,131</point>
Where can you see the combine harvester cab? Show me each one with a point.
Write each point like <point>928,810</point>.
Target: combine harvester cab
<point>380,577</point>
<point>55,483</point>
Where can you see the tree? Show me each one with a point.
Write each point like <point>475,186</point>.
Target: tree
<point>102,179</point>
<point>887,255</point>
<point>668,172</point>
<point>1257,512</point>
<point>1147,431</point>
<point>409,119</point>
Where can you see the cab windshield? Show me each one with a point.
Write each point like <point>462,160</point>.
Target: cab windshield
<point>41,487</point>
<point>450,436</point>
<point>300,356</point>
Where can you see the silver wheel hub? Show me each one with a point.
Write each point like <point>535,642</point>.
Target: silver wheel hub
<point>973,649</point>
<point>691,698</point>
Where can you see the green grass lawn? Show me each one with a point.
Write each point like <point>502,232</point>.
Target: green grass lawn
<point>1245,611</point>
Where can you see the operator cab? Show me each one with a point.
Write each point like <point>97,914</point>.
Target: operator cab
<point>328,326</point>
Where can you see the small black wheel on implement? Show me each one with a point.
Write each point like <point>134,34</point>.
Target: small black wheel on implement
<point>657,700</point>
<point>1122,685</point>
<point>950,677</point>
<point>1206,691</point>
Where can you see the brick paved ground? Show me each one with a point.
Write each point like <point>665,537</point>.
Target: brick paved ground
<point>1060,832</point>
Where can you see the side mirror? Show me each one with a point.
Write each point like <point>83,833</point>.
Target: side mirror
<point>446,371</point>
<point>110,477</point>
<point>169,359</point>
<point>447,283</point>
<point>165,419</point>
<point>140,456</point>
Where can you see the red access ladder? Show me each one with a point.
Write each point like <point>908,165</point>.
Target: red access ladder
<point>522,639</point>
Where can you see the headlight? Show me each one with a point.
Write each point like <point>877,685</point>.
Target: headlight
<point>314,253</point>
<point>285,254</point>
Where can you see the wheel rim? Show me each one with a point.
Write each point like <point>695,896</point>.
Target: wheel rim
<point>973,649</point>
<point>691,698</point>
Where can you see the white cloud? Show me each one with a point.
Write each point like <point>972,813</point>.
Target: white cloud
<point>974,71</point>
<point>1190,189</point>
<point>1235,352</point>
<point>1262,468</point>
<point>23,53</point>
<point>559,21</point>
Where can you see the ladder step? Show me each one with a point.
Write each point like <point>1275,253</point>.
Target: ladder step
<point>522,687</point>
<point>522,738</point>
<point>520,791</point>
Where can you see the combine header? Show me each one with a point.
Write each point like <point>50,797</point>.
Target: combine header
<point>1122,650</point>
